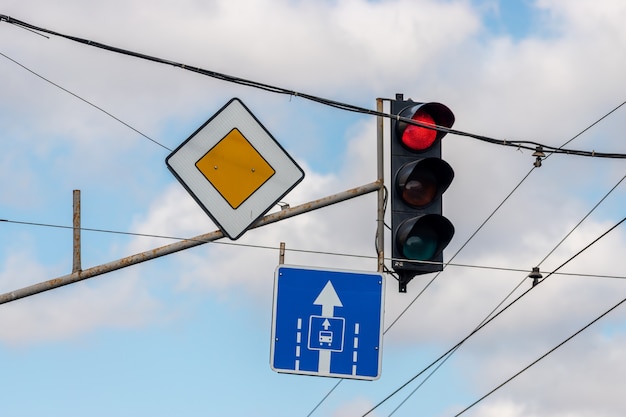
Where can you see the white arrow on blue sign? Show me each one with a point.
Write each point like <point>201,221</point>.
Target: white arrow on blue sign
<point>327,322</point>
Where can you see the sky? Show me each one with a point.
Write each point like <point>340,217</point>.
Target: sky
<point>190,333</point>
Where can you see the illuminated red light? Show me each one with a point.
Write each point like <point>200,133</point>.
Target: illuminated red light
<point>419,138</point>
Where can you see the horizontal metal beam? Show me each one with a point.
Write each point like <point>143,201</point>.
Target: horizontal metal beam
<point>183,244</point>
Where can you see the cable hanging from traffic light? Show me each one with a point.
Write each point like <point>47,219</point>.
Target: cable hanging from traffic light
<point>529,145</point>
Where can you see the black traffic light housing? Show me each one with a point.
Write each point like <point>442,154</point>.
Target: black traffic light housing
<point>420,177</point>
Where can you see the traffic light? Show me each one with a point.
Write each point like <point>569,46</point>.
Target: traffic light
<point>420,177</point>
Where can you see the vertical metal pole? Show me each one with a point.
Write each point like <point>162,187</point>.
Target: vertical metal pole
<point>380,231</point>
<point>76,267</point>
<point>281,255</point>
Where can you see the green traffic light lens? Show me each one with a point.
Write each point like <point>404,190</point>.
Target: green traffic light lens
<point>423,238</point>
<point>420,247</point>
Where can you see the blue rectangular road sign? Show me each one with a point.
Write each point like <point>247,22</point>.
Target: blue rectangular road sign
<point>327,322</point>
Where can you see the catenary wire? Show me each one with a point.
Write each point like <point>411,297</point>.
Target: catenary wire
<point>34,29</point>
<point>450,131</point>
<point>569,152</point>
<point>582,220</point>
<point>560,344</point>
<point>542,357</point>
<point>429,283</point>
<point>465,244</point>
<point>295,250</point>
<point>449,355</point>
<point>467,241</point>
<point>502,302</point>
<point>530,145</point>
<point>525,278</point>
<point>514,290</point>
<point>477,329</point>
<point>84,100</point>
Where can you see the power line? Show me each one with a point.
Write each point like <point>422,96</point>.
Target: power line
<point>583,219</point>
<point>294,250</point>
<point>509,295</point>
<point>467,242</point>
<point>541,357</point>
<point>483,224</point>
<point>519,144</point>
<point>530,145</point>
<point>448,356</point>
<point>523,280</point>
<point>85,101</point>
<point>430,282</point>
<point>485,323</point>
<point>460,249</point>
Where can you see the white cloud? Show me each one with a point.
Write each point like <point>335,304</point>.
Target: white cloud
<point>356,406</point>
<point>546,87</point>
<point>72,311</point>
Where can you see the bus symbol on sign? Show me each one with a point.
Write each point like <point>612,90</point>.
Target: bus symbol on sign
<point>326,333</point>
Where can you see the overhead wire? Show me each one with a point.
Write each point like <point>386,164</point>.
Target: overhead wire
<point>521,282</point>
<point>507,297</point>
<point>294,250</point>
<point>512,292</point>
<point>542,357</point>
<point>36,29</point>
<point>453,351</point>
<point>520,144</point>
<point>467,241</point>
<point>419,294</point>
<point>492,318</point>
<point>525,278</point>
<point>564,341</point>
<point>84,101</point>
<point>582,220</point>
<point>450,353</point>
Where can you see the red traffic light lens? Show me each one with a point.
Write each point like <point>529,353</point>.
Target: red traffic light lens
<point>418,138</point>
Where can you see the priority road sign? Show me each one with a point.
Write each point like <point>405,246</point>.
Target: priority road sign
<point>327,322</point>
<point>234,169</point>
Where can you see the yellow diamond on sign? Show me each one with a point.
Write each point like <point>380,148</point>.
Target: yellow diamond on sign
<point>235,168</point>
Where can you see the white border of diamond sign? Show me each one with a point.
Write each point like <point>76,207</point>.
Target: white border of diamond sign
<point>182,163</point>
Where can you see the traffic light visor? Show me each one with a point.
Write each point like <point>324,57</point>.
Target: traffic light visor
<point>424,238</point>
<point>421,182</point>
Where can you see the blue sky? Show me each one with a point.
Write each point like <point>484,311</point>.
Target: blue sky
<point>189,333</point>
